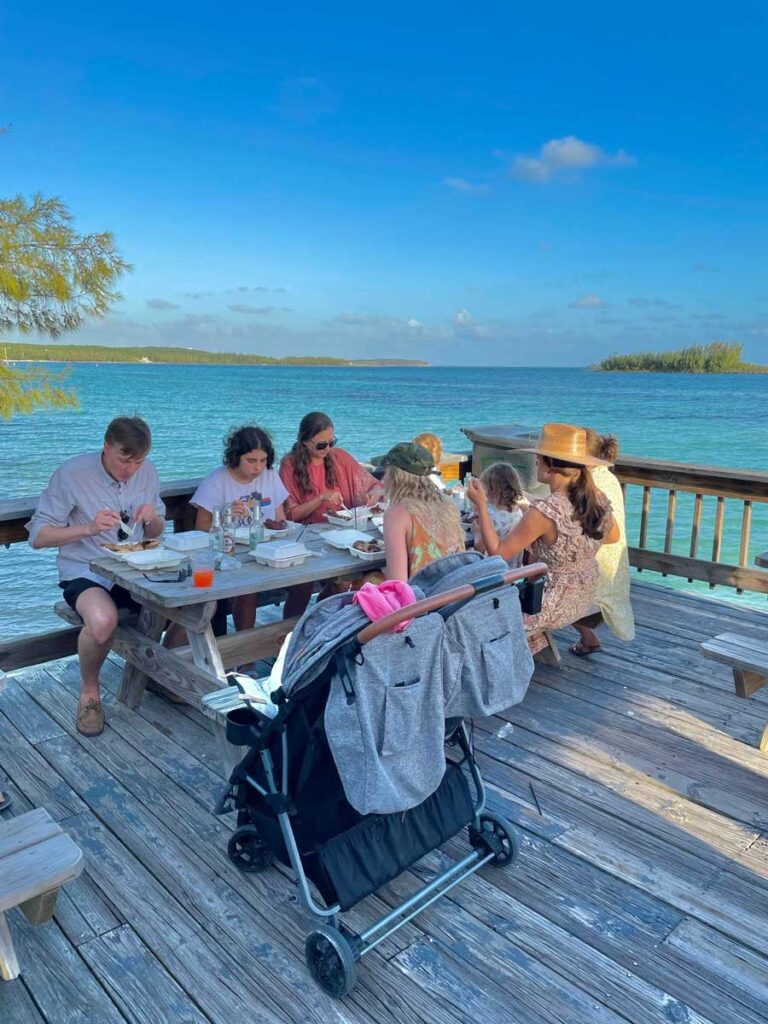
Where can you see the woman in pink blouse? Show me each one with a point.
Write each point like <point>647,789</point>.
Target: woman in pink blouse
<point>320,478</point>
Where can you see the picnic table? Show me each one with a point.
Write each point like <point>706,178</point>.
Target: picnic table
<point>191,672</point>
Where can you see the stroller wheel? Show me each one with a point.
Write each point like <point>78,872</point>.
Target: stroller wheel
<point>331,960</point>
<point>247,849</point>
<point>497,836</point>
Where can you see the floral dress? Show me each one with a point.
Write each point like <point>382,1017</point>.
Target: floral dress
<point>573,572</point>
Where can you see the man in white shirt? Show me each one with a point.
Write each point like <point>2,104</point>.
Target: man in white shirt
<point>81,509</point>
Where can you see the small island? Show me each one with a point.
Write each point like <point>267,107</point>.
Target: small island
<point>51,353</point>
<point>718,357</point>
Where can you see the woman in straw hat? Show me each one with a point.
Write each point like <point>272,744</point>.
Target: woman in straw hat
<point>565,530</point>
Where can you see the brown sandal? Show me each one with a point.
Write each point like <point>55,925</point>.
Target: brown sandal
<point>582,651</point>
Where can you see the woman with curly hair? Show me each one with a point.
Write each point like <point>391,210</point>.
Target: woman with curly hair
<point>421,524</point>
<point>320,477</point>
<point>245,480</point>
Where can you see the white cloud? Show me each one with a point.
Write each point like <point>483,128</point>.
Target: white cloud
<point>161,304</point>
<point>559,156</point>
<point>462,185</point>
<point>462,317</point>
<point>588,301</point>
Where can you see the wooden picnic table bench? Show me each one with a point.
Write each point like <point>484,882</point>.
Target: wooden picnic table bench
<point>37,857</point>
<point>748,659</point>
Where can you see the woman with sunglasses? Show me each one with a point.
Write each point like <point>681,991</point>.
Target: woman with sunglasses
<point>321,477</point>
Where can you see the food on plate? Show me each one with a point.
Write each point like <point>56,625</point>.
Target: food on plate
<point>141,545</point>
<point>275,524</point>
<point>377,510</point>
<point>369,546</point>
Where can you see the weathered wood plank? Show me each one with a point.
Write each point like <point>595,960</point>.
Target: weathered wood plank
<point>140,986</point>
<point>17,1006</point>
<point>537,941</point>
<point>30,720</point>
<point>60,983</point>
<point>33,776</point>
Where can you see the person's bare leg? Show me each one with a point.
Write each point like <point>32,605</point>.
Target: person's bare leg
<point>99,614</point>
<point>297,600</point>
<point>244,611</point>
<point>589,639</point>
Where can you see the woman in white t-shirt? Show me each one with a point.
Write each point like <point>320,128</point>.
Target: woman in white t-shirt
<point>247,478</point>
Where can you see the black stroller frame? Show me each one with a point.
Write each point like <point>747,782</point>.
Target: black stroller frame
<point>332,950</point>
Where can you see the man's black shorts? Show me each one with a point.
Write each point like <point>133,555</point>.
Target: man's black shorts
<point>74,588</point>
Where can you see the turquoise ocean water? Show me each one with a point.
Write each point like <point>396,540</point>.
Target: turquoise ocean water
<point>706,419</point>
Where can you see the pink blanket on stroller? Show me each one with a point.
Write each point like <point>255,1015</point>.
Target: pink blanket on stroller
<point>389,596</point>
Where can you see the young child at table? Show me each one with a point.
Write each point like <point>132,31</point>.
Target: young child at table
<point>506,504</point>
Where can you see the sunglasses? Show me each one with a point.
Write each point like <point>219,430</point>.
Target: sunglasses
<point>320,446</point>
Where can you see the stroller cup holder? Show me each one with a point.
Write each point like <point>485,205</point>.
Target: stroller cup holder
<point>247,727</point>
<point>531,595</point>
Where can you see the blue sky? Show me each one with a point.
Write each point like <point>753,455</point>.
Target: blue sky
<point>482,184</point>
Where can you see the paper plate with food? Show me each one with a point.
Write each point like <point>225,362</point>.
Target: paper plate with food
<point>119,550</point>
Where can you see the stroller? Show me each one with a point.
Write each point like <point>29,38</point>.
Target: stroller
<point>351,832</point>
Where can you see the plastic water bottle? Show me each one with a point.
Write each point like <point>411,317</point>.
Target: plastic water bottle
<point>467,503</point>
<point>216,537</point>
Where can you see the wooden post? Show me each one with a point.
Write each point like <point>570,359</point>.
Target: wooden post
<point>696,526</point>
<point>671,509</point>
<point>717,541</point>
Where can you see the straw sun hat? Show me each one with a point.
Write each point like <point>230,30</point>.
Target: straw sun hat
<point>567,443</point>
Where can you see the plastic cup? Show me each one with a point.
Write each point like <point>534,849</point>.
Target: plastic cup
<point>202,576</point>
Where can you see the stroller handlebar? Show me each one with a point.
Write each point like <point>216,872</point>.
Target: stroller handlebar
<point>431,604</point>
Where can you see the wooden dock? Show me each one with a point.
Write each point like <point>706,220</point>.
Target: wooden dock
<point>641,893</point>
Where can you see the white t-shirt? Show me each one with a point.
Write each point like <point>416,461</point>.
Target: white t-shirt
<point>221,488</point>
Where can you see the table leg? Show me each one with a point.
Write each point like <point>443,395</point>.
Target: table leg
<point>151,625</point>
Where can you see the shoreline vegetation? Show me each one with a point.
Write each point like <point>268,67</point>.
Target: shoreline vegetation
<point>718,357</point>
<point>49,353</point>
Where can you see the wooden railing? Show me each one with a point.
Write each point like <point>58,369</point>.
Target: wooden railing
<point>710,487</point>
<point>641,480</point>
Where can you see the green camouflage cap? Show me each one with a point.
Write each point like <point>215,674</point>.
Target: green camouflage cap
<point>410,457</point>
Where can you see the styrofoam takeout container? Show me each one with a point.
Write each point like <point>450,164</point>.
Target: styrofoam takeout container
<point>280,554</point>
<point>367,556</point>
<point>343,538</point>
<point>188,540</point>
<point>155,558</point>
<point>342,518</point>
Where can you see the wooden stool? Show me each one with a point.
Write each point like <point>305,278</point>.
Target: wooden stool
<point>36,858</point>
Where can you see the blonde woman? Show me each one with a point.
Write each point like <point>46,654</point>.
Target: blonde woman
<point>612,591</point>
<point>420,524</point>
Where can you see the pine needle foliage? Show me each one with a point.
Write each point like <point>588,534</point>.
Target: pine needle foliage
<point>52,278</point>
<point>25,391</point>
